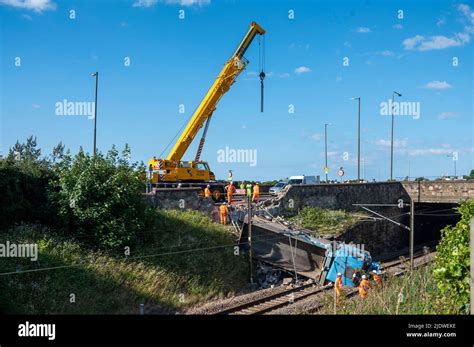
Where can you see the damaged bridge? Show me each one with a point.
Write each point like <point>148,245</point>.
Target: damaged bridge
<point>297,250</point>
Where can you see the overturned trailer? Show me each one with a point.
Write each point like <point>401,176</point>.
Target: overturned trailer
<point>298,251</point>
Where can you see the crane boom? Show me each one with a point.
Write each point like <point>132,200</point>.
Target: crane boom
<point>231,70</point>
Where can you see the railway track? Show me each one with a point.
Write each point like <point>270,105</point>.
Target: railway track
<point>288,297</point>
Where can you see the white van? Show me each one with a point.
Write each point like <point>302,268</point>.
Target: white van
<point>302,180</point>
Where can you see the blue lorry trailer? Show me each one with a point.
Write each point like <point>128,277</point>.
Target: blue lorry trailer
<point>298,251</point>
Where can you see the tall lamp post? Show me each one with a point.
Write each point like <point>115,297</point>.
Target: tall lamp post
<point>454,156</point>
<point>391,142</point>
<point>358,138</point>
<point>326,169</point>
<point>96,74</point>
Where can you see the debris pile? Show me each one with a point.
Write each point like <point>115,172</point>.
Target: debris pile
<point>268,276</point>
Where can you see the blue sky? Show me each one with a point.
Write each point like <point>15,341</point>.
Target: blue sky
<point>174,61</point>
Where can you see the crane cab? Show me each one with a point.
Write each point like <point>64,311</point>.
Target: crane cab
<point>161,170</point>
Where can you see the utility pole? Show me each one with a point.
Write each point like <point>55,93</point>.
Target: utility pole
<point>391,142</point>
<point>96,74</point>
<point>455,158</point>
<point>249,220</point>
<point>326,169</point>
<point>412,231</point>
<point>358,138</point>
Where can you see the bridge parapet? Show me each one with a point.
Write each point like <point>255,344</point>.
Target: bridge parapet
<point>440,191</point>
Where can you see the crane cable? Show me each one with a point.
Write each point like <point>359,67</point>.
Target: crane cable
<point>261,65</point>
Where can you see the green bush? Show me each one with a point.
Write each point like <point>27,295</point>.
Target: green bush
<point>452,269</point>
<point>24,181</point>
<point>99,199</point>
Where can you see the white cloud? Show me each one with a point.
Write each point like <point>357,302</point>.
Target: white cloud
<point>398,26</point>
<point>396,143</point>
<point>284,75</point>
<point>144,3</point>
<point>441,22</point>
<point>429,151</point>
<point>251,73</point>
<point>446,115</point>
<point>316,137</point>
<point>387,53</point>
<point>421,43</point>
<point>32,5</point>
<point>363,30</point>
<point>302,69</point>
<point>150,3</point>
<point>438,85</point>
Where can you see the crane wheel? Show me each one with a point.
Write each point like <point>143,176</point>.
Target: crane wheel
<point>217,194</point>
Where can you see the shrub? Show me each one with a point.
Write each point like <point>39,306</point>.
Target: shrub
<point>24,180</point>
<point>99,198</point>
<point>452,269</point>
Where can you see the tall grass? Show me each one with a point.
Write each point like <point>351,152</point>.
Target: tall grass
<point>413,293</point>
<point>155,274</point>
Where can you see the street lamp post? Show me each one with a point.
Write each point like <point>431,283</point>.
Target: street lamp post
<point>358,138</point>
<point>326,150</point>
<point>96,74</point>
<point>454,160</point>
<point>391,142</point>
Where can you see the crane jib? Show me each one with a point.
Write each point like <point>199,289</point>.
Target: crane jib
<point>234,66</point>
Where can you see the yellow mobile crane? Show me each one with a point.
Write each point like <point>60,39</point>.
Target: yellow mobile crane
<point>172,170</point>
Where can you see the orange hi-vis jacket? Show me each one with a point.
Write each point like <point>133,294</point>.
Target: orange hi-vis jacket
<point>256,190</point>
<point>223,210</point>
<point>378,280</point>
<point>338,286</point>
<point>364,287</point>
<point>230,190</point>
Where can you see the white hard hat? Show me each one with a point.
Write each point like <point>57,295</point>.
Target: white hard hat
<point>354,275</point>
<point>374,271</point>
<point>339,274</point>
<point>364,277</point>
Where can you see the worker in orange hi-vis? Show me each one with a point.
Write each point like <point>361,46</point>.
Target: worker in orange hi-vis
<point>207,192</point>
<point>338,288</point>
<point>377,279</point>
<point>256,193</point>
<point>223,210</point>
<point>230,190</point>
<point>364,287</point>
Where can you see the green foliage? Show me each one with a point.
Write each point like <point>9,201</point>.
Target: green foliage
<point>99,198</point>
<point>324,221</point>
<point>452,270</point>
<point>24,178</point>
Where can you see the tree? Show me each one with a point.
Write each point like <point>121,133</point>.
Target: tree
<point>452,268</point>
<point>99,199</point>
